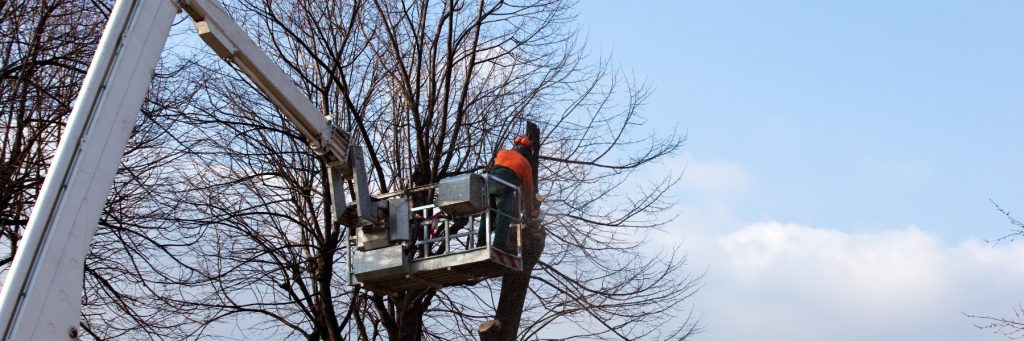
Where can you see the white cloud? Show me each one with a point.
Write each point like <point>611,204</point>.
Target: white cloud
<point>774,281</point>
<point>714,178</point>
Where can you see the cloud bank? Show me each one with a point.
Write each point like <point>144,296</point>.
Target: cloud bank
<point>777,281</point>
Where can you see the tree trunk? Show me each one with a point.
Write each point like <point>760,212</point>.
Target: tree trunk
<point>489,331</point>
<point>514,285</point>
<point>410,314</point>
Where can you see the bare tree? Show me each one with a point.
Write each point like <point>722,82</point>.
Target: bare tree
<point>45,47</point>
<point>433,90</point>
<point>133,251</point>
<point>1010,326</point>
<point>217,223</point>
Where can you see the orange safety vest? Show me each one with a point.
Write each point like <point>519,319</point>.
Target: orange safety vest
<point>517,163</point>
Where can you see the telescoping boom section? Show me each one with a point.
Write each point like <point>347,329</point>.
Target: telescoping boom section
<point>392,245</point>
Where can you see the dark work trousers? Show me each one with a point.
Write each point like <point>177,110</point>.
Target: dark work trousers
<point>503,199</point>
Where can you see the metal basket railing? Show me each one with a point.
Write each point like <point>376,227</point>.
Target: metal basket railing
<point>439,235</point>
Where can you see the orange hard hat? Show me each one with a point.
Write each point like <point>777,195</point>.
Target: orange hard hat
<point>523,140</point>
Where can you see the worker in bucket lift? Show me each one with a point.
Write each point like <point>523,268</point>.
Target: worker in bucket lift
<point>512,167</point>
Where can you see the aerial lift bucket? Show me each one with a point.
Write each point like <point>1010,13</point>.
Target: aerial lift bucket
<point>440,248</point>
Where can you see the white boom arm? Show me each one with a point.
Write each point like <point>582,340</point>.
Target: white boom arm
<point>41,296</point>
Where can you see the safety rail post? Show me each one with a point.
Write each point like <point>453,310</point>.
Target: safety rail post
<point>447,237</point>
<point>426,234</point>
<point>517,219</point>
<point>519,240</point>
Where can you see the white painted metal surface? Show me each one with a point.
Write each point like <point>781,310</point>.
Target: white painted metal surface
<point>43,292</point>
<point>230,42</point>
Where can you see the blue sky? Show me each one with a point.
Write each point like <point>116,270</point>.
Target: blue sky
<point>877,128</point>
